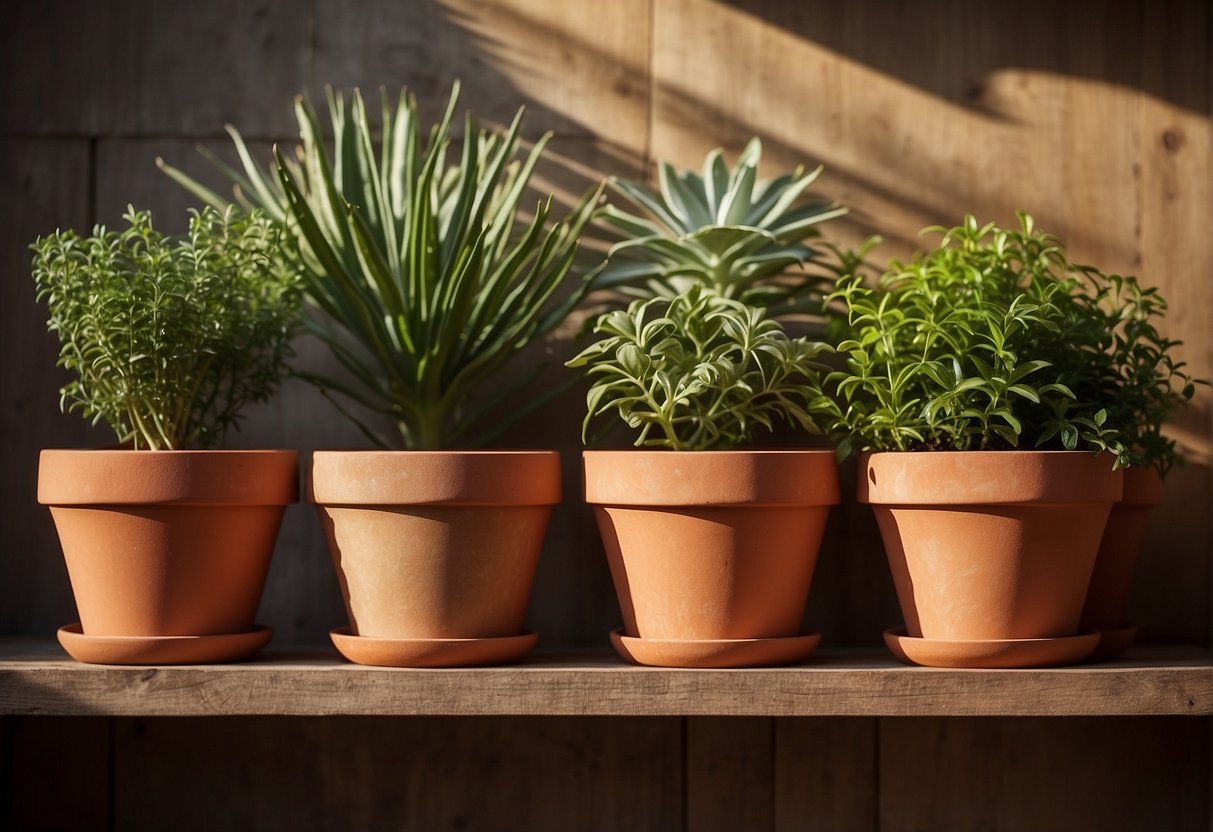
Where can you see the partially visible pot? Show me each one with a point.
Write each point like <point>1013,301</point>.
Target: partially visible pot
<point>1112,578</point>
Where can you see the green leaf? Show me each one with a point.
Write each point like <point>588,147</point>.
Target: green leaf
<point>1024,391</point>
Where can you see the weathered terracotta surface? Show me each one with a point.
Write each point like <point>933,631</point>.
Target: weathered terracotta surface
<point>435,545</point>
<point>230,647</point>
<point>1031,652</point>
<point>448,652</point>
<point>990,545</point>
<point>1112,579</point>
<point>167,543</point>
<point>711,545</point>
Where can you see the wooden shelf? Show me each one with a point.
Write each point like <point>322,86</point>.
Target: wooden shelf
<point>36,678</point>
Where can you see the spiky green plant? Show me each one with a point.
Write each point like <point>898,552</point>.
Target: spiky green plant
<point>722,228</point>
<point>427,272</point>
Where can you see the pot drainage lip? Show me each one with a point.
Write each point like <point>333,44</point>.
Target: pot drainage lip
<point>715,653</point>
<point>432,652</point>
<point>153,650</point>
<point>990,653</point>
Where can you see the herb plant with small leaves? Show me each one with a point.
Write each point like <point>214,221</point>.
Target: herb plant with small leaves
<point>989,341</point>
<point>169,337</point>
<point>1138,378</point>
<point>699,371</point>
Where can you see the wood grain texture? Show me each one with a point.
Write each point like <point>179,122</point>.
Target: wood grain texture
<point>36,679</point>
<point>729,773</point>
<point>1099,774</point>
<point>55,774</point>
<point>399,773</point>
<point>825,775</point>
<point>129,67</point>
<point>580,68</point>
<point>61,68</point>
<point>1176,253</point>
<point>44,185</point>
<point>126,174</point>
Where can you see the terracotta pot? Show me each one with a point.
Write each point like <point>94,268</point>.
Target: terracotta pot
<point>990,545</point>
<point>711,545</point>
<point>167,543</point>
<point>1112,578</point>
<point>435,544</point>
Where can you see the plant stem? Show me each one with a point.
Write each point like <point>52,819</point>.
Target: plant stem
<point>428,431</point>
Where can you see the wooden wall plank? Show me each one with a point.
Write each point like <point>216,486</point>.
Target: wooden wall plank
<point>825,775</point>
<point>1044,774</point>
<point>60,67</point>
<point>729,773</point>
<point>127,175</point>
<point>203,64</point>
<point>1176,252</point>
<point>581,68</point>
<point>124,67</point>
<point>44,185</point>
<point>56,773</point>
<point>465,774</point>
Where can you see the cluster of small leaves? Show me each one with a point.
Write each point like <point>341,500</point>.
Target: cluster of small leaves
<point>699,371</point>
<point>169,338</point>
<point>986,342</point>
<point>1137,377</point>
<point>721,228</point>
<point>428,272</point>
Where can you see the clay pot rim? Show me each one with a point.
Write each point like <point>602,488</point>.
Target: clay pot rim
<point>86,477</point>
<point>761,478</point>
<point>490,477</point>
<point>470,452</point>
<point>1078,476</point>
<point>169,452</point>
<point>1010,453</point>
<point>771,452</point>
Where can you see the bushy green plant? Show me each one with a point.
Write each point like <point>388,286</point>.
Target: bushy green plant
<point>724,229</point>
<point>699,371</point>
<point>169,338</point>
<point>427,271</point>
<point>991,340</point>
<point>1137,378</point>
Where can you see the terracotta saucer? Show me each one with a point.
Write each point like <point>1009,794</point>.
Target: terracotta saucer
<point>1112,643</point>
<point>230,647</point>
<point>730,652</point>
<point>431,652</point>
<point>993,653</point>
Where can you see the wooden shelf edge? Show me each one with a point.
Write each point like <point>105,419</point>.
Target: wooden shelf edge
<point>36,679</point>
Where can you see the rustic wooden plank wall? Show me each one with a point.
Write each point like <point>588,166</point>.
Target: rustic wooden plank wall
<point>1094,116</point>
<point>605,773</point>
